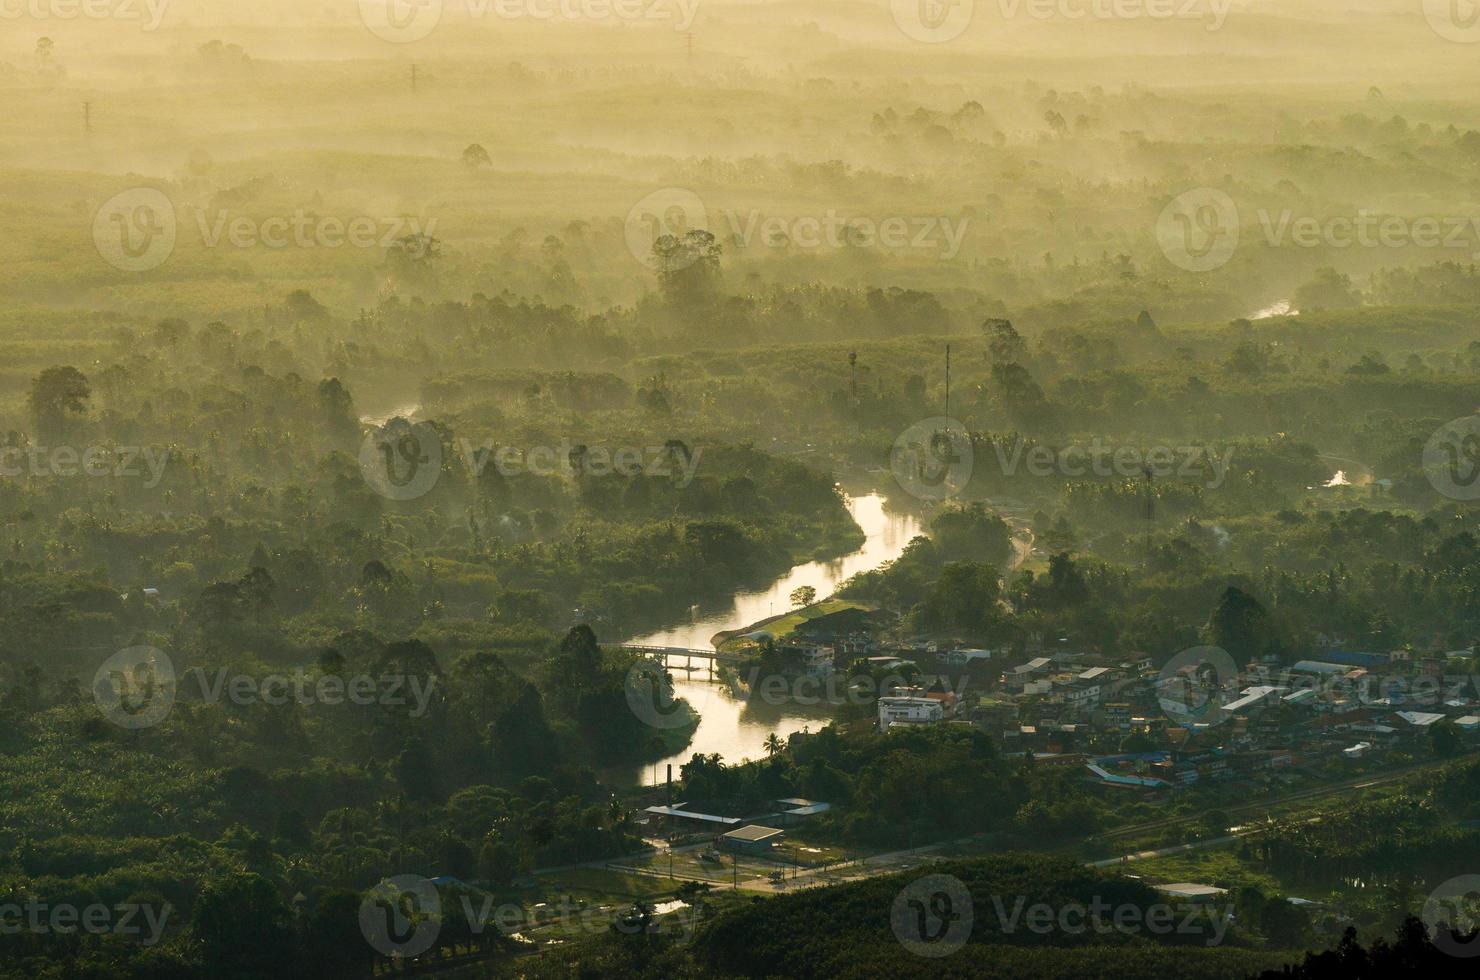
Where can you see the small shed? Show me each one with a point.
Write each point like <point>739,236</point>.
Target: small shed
<point>754,840</point>
<point>1189,891</point>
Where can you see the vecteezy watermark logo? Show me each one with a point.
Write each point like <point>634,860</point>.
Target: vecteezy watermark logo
<point>1453,20</point>
<point>401,916</point>
<point>402,460</point>
<point>932,916</point>
<point>118,462</point>
<point>135,231</point>
<point>1414,691</point>
<point>935,233</point>
<point>1451,458</point>
<point>932,459</point>
<point>676,926</point>
<point>572,459</point>
<point>650,696</point>
<point>150,12</point>
<point>658,225</point>
<point>932,21</point>
<point>404,21</point>
<point>1452,911</point>
<point>681,12</point>
<point>303,688</point>
<point>1102,917</point>
<point>1190,686</point>
<point>135,688</point>
<point>303,229</point>
<point>401,21</point>
<point>833,687</point>
<point>1098,459</point>
<point>124,919</point>
<point>1215,14</point>
<point>671,229</point>
<point>1366,229</point>
<point>1198,230</point>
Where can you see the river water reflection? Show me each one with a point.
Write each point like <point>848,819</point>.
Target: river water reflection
<point>738,729</point>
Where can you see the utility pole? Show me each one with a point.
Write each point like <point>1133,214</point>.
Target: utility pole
<point>853,384</point>
<point>1150,510</point>
<point>87,118</point>
<point>689,41</point>
<point>413,79</point>
<point>948,380</point>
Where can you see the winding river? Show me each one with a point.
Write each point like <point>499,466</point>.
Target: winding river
<point>738,729</point>
<point>733,728</point>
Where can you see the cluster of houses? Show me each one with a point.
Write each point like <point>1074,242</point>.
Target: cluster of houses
<point>1066,708</point>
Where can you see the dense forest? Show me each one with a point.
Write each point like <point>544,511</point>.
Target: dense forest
<point>398,408</point>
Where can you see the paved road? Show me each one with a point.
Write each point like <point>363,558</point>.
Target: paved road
<point>1166,851</point>
<point>904,860</point>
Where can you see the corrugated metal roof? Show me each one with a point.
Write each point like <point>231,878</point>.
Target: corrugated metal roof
<point>754,834</point>
<point>673,811</point>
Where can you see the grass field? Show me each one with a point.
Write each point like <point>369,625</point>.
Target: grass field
<point>788,622</point>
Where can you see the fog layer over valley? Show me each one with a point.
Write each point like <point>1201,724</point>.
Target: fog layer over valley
<point>682,488</point>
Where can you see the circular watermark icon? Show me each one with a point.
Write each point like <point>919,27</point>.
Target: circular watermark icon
<point>932,916</point>
<point>135,688</point>
<point>932,460</point>
<point>1189,688</point>
<point>135,231</point>
<point>401,21</point>
<point>650,696</point>
<point>401,916</point>
<point>1453,20</point>
<point>1453,910</point>
<point>1198,230</point>
<point>1451,458</point>
<point>402,460</point>
<point>656,227</point>
<point>932,21</point>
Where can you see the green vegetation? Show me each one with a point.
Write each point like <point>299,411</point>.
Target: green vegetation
<point>365,399</point>
<point>848,929</point>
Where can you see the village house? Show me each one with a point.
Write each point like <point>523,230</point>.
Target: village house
<point>909,706</point>
<point>811,659</point>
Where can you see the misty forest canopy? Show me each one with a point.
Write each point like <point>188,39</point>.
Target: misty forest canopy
<point>372,381</point>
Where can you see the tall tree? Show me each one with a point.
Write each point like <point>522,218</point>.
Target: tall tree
<point>56,394</point>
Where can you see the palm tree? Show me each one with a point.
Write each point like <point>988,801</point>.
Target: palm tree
<point>773,744</point>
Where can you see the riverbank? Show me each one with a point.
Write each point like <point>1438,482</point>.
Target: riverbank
<point>784,623</point>
<point>737,728</point>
